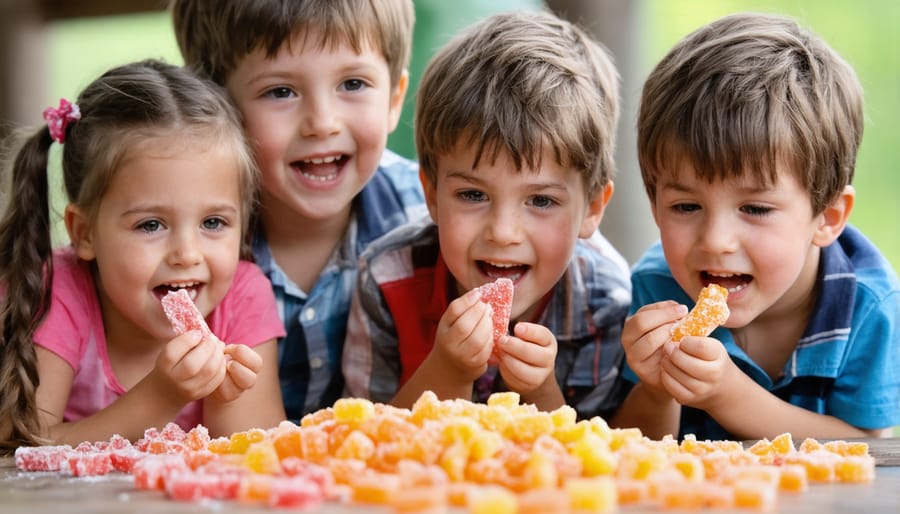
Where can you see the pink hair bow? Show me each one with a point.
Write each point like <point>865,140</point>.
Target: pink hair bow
<point>58,119</point>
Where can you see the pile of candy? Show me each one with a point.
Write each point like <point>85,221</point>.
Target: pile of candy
<point>500,457</point>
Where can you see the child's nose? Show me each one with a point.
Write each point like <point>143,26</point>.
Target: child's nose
<point>319,116</point>
<point>185,250</point>
<point>719,235</point>
<point>505,226</point>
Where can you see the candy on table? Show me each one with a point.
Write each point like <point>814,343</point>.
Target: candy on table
<point>710,311</point>
<point>455,453</point>
<point>183,313</point>
<point>41,458</point>
<point>83,464</point>
<point>492,499</point>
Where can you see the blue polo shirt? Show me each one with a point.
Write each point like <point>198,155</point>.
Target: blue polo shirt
<point>309,356</point>
<point>846,365</point>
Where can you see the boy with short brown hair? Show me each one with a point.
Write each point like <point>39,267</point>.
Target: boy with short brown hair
<point>320,85</point>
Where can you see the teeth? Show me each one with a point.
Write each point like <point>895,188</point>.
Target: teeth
<point>501,265</point>
<point>737,288</point>
<point>320,178</point>
<point>181,285</point>
<point>721,275</point>
<point>321,160</point>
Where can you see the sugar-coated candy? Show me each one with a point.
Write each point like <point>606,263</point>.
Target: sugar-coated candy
<point>182,313</point>
<point>84,464</point>
<point>499,295</point>
<point>710,311</point>
<point>41,458</point>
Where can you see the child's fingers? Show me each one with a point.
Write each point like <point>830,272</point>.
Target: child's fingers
<point>652,317</point>
<point>176,349</point>
<point>243,377</point>
<point>244,355</point>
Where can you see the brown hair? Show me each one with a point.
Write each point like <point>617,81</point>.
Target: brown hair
<point>127,104</point>
<point>214,36</point>
<point>749,91</point>
<point>521,82</point>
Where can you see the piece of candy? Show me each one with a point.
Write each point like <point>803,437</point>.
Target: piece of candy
<point>182,313</point>
<point>710,312</point>
<point>499,295</point>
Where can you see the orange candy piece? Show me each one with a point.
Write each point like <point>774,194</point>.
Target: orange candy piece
<point>710,311</point>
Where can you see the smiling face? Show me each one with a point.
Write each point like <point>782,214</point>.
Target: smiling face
<point>169,219</point>
<point>318,118</point>
<point>760,241</point>
<point>495,221</point>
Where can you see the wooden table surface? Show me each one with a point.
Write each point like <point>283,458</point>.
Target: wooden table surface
<point>35,493</point>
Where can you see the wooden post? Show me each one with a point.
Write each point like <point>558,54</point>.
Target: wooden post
<point>627,223</point>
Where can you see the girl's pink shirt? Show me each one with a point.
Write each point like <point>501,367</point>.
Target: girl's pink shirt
<point>73,330</point>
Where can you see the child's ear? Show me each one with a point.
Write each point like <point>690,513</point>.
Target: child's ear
<point>396,106</point>
<point>594,214</point>
<point>834,218</point>
<point>430,195</point>
<point>79,228</point>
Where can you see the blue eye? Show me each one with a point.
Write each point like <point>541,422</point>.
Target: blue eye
<point>543,202</point>
<point>353,85</point>
<point>149,226</point>
<point>214,223</point>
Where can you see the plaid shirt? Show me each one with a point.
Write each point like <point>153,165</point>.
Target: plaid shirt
<point>310,355</point>
<point>846,364</point>
<point>585,311</point>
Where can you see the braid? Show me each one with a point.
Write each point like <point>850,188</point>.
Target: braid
<point>25,249</point>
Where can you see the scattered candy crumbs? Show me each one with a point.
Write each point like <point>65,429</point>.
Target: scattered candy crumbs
<point>499,457</point>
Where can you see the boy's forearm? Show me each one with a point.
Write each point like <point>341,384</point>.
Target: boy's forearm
<point>738,412</point>
<point>656,415</point>
<point>547,396</point>
<point>430,377</point>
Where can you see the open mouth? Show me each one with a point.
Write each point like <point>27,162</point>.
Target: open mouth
<point>733,282</point>
<point>193,289</point>
<point>495,270</point>
<point>321,169</point>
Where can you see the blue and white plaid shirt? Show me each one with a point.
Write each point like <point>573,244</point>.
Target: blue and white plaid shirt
<point>309,356</point>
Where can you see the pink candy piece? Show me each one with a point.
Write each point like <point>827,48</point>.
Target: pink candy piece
<point>182,313</point>
<point>499,295</point>
<point>41,458</point>
<point>85,464</point>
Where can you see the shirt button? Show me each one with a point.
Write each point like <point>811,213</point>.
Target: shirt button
<point>309,314</point>
<point>315,363</point>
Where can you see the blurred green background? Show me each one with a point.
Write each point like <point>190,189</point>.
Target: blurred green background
<point>864,32</point>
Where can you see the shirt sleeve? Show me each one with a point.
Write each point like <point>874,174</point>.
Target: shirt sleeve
<point>371,358</point>
<point>866,393</point>
<point>66,328</point>
<point>248,313</point>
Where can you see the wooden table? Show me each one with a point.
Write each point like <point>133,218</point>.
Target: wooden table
<point>35,493</point>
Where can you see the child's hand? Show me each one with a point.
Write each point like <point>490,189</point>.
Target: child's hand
<point>190,366</point>
<point>464,337</point>
<point>528,358</point>
<point>242,364</point>
<point>644,337</point>
<point>695,369</point>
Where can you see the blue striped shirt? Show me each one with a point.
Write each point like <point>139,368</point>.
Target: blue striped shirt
<point>309,356</point>
<point>846,364</point>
